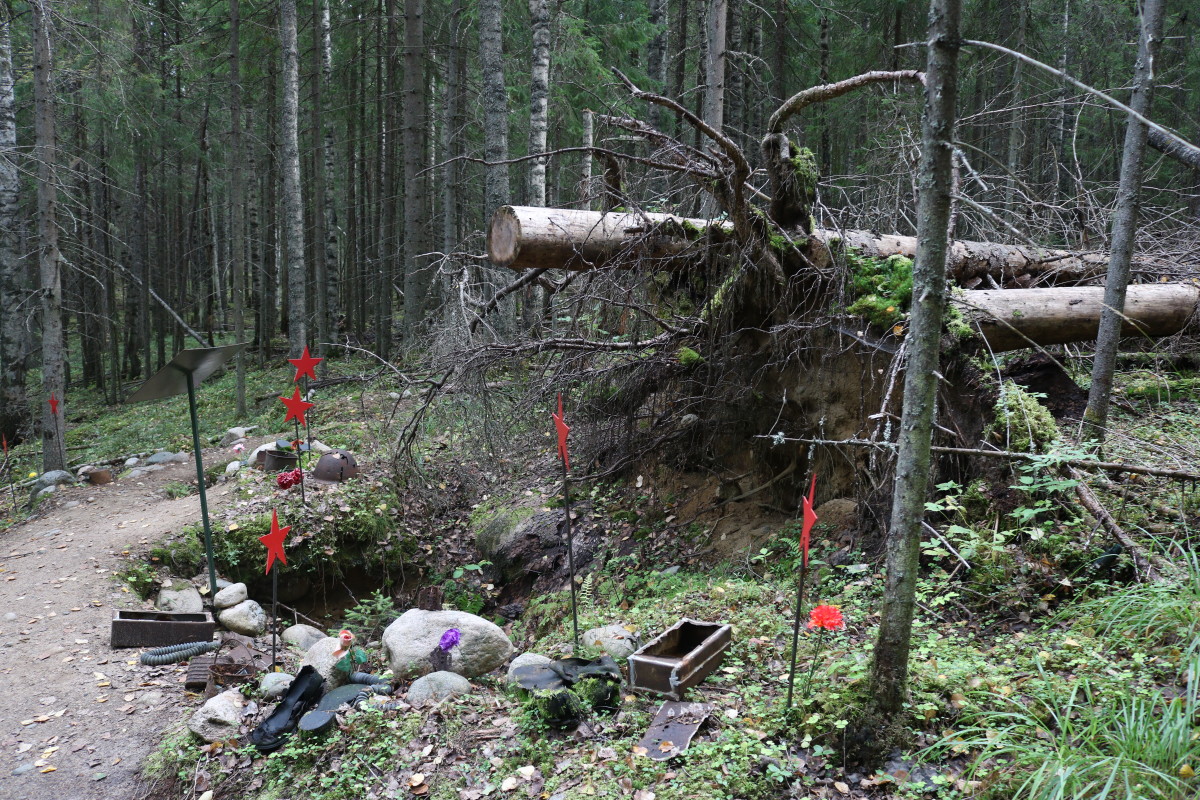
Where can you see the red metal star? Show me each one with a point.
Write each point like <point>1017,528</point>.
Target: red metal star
<point>274,540</point>
<point>305,365</point>
<point>563,430</point>
<point>296,406</point>
<point>53,404</point>
<point>810,518</point>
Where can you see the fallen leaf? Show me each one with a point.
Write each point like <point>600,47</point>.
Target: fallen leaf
<point>417,779</point>
<point>665,745</point>
<point>841,787</point>
<point>638,750</point>
<point>508,784</point>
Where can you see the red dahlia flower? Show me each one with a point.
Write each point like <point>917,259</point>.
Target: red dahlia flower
<point>826,618</point>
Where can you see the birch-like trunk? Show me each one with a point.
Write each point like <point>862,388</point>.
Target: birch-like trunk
<point>12,321</point>
<point>54,452</point>
<point>889,669</point>
<point>237,202</point>
<point>293,203</point>
<point>539,100</point>
<point>1016,128</point>
<point>1125,222</point>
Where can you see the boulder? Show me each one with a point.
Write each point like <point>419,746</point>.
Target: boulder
<point>321,658</point>
<point>246,618</point>
<point>167,457</point>
<point>409,641</point>
<point>218,719</point>
<point>302,637</point>
<point>140,472</point>
<point>233,434</point>
<point>230,596</point>
<point>612,639</point>
<point>232,467</point>
<point>275,684</point>
<point>179,597</point>
<point>437,686</point>
<point>319,447</point>
<point>52,478</point>
<point>132,461</point>
<point>525,660</point>
<point>527,547</point>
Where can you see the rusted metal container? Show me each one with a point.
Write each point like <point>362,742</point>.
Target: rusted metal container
<point>280,460</point>
<point>159,629</point>
<point>679,657</point>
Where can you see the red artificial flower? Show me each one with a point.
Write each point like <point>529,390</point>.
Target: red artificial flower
<point>826,618</point>
<point>287,480</point>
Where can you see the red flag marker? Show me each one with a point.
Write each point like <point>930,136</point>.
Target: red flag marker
<point>305,365</point>
<point>810,518</point>
<point>53,404</point>
<point>563,429</point>
<point>296,406</point>
<point>274,540</point>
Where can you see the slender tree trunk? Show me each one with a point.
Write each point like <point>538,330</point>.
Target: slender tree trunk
<point>539,96</point>
<point>54,451</point>
<point>1016,118</point>
<point>14,327</point>
<point>237,202</point>
<point>713,111</point>
<point>388,245</point>
<point>889,670</point>
<point>333,269</point>
<point>656,59</point>
<point>318,252</point>
<point>416,200</point>
<point>495,127</point>
<point>452,129</point>
<point>779,83</point>
<point>293,202</point>
<point>585,181</point>
<point>823,75</point>
<point>1125,223</point>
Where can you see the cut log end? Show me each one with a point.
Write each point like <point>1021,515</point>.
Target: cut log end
<point>504,237</point>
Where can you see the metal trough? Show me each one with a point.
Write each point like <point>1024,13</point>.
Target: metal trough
<point>159,629</point>
<point>679,657</point>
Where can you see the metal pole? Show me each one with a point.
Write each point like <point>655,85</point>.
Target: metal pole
<point>208,551</point>
<point>274,617</point>
<point>796,631</point>
<point>571,562</point>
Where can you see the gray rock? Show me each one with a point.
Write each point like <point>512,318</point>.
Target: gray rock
<point>671,570</point>
<point>687,420</point>
<point>49,490</point>
<point>246,618</point>
<point>232,467</point>
<point>167,457</point>
<point>141,472</point>
<point>407,393</point>
<point>437,686</point>
<point>612,639</point>
<point>10,616</point>
<point>409,641</point>
<point>525,660</point>
<point>393,395</point>
<point>275,684</point>
<point>252,459</point>
<point>302,637</point>
<point>321,658</point>
<point>52,478</point>
<point>219,718</point>
<point>179,597</point>
<point>230,596</point>
<point>21,770</point>
<point>319,447</point>
<point>151,699</point>
<point>233,434</point>
<point>132,461</point>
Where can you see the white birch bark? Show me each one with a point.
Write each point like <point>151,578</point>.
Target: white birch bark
<point>293,203</point>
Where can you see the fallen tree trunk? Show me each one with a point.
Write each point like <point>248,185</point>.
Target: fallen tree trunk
<point>1014,319</point>
<point>526,237</point>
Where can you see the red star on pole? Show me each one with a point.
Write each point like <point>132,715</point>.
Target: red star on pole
<point>305,365</point>
<point>296,406</point>
<point>563,429</point>
<point>53,404</point>
<point>273,541</point>
<point>810,518</point>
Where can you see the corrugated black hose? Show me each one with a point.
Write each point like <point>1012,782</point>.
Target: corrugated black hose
<point>175,653</point>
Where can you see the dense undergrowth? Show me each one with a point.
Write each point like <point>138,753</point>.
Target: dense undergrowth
<point>1042,667</point>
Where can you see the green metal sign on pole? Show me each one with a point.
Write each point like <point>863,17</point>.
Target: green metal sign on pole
<point>184,373</point>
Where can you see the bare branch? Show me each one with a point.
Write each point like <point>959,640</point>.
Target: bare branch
<point>818,94</point>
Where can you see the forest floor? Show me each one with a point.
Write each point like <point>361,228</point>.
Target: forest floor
<point>79,718</point>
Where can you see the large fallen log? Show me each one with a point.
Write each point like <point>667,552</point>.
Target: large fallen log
<point>1011,319</point>
<point>527,237</point>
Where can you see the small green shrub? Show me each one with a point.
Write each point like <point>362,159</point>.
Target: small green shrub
<point>140,578</point>
<point>182,554</point>
<point>1022,424</point>
<point>178,489</point>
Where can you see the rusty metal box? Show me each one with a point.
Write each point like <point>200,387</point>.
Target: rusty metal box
<point>679,657</point>
<point>159,629</point>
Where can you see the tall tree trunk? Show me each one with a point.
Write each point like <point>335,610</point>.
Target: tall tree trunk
<point>54,451</point>
<point>779,83</point>
<point>656,59</point>
<point>495,128</point>
<point>1061,174</point>
<point>388,243</point>
<point>889,669</point>
<point>237,202</point>
<point>1125,223</point>
<point>14,327</point>
<point>713,111</point>
<point>539,99</point>
<point>333,272</point>
<point>293,202</point>
<point>318,222</point>
<point>416,200</point>
<point>1016,130</point>
<point>452,129</point>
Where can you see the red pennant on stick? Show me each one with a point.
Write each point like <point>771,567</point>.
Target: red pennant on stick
<point>296,406</point>
<point>305,365</point>
<point>4,441</point>
<point>274,540</point>
<point>810,518</point>
<point>563,429</point>
<point>53,404</point>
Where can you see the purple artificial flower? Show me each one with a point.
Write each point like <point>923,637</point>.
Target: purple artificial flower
<point>449,640</point>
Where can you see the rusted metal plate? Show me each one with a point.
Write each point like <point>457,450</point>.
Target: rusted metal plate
<point>679,657</point>
<point>199,669</point>
<point>673,728</point>
<point>159,629</point>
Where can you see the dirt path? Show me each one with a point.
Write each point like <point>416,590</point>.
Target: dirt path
<point>70,702</point>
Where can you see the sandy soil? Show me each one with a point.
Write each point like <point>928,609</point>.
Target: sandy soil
<point>77,718</point>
